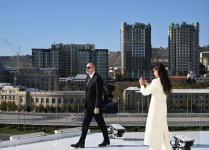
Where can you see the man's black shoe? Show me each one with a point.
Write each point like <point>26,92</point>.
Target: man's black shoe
<point>77,145</point>
<point>104,143</point>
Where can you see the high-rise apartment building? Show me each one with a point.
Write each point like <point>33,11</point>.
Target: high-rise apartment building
<point>84,57</point>
<point>183,46</point>
<point>39,78</point>
<point>71,59</point>
<point>101,61</point>
<point>97,56</point>
<point>68,54</point>
<point>135,45</point>
<point>45,58</point>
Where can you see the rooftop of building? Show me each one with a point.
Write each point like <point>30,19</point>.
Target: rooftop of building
<point>174,90</point>
<point>132,89</point>
<point>177,77</point>
<point>129,141</point>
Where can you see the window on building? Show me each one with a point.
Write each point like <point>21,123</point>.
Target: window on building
<point>12,91</point>
<point>21,99</point>
<point>53,100</point>
<point>71,101</point>
<point>42,100</point>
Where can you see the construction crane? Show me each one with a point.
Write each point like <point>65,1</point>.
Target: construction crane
<point>17,52</point>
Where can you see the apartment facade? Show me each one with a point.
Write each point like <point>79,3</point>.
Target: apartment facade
<point>68,56</point>
<point>45,58</point>
<point>43,78</point>
<point>183,46</point>
<point>101,61</point>
<point>97,56</point>
<point>71,59</point>
<point>135,46</point>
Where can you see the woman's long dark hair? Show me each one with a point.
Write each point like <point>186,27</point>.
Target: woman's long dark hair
<point>165,81</point>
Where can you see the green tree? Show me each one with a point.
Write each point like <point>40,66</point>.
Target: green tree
<point>70,109</point>
<point>75,108</point>
<point>20,107</point>
<point>11,106</point>
<point>118,75</point>
<point>40,108</point>
<point>47,108</point>
<point>64,108</point>
<point>203,69</point>
<point>3,106</point>
<point>121,86</point>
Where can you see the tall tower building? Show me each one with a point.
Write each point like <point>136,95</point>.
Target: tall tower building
<point>135,45</point>
<point>183,46</point>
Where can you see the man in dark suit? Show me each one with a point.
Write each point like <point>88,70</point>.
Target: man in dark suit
<point>93,106</point>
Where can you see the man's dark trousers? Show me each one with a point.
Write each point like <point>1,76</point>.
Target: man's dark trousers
<point>88,115</point>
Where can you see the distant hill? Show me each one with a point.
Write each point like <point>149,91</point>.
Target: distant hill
<point>204,49</point>
<point>159,53</point>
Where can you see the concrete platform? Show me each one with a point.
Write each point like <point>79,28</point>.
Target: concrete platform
<point>129,141</point>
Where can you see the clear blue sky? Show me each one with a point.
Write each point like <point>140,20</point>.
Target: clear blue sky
<point>39,23</point>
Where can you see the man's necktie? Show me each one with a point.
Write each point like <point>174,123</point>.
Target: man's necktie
<point>88,79</point>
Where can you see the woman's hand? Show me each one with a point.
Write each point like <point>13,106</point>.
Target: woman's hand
<point>142,81</point>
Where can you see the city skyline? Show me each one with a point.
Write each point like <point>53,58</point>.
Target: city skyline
<point>38,24</point>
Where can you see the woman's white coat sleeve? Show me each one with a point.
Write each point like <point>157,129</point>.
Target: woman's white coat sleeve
<point>150,88</point>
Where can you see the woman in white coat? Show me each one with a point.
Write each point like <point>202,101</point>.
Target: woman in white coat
<point>156,132</point>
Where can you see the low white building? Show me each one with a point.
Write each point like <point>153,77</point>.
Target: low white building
<point>14,94</point>
<point>34,98</point>
<point>180,100</point>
